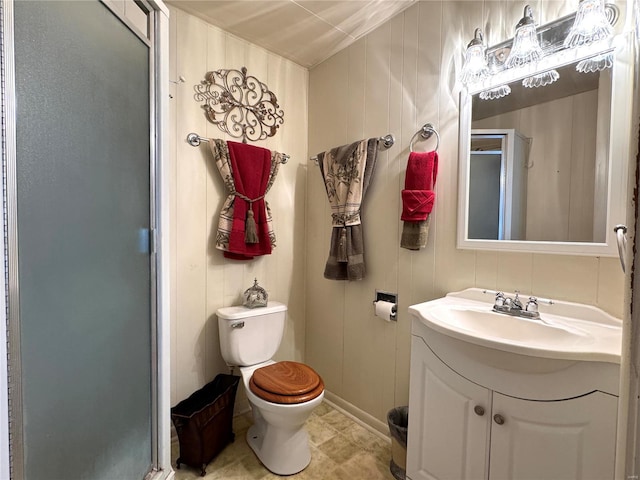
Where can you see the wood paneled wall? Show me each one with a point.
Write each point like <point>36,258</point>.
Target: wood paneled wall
<point>394,80</point>
<point>202,280</point>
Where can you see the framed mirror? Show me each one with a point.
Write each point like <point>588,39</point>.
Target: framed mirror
<point>546,169</point>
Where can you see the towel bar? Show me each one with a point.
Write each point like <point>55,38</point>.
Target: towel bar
<point>387,142</point>
<point>194,140</point>
<point>425,132</point>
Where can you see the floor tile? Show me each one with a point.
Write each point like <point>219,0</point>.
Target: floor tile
<point>319,432</point>
<point>318,468</point>
<point>363,466</point>
<point>341,449</point>
<point>337,420</point>
<point>322,410</point>
<point>369,442</point>
<point>234,471</point>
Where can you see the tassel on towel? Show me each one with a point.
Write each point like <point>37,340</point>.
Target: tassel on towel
<point>250,232</point>
<point>341,256</point>
<point>346,172</point>
<point>239,175</point>
<point>249,170</point>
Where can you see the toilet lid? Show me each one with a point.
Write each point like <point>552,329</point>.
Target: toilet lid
<point>286,382</point>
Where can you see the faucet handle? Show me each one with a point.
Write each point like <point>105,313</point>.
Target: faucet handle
<point>499,302</point>
<point>516,301</point>
<point>532,305</point>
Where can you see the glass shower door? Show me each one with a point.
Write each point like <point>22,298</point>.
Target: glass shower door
<point>84,269</point>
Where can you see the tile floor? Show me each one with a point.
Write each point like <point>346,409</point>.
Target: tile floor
<point>341,449</point>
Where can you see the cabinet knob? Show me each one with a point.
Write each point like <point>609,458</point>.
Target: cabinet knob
<point>499,419</point>
<point>478,410</point>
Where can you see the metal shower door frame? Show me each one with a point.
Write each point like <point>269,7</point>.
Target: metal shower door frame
<point>11,446</point>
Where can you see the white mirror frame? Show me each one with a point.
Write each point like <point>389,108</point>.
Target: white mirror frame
<point>618,149</point>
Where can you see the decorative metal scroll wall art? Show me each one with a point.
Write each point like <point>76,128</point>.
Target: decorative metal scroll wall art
<point>239,104</point>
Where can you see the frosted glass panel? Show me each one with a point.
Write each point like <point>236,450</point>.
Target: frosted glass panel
<point>484,196</point>
<point>83,197</point>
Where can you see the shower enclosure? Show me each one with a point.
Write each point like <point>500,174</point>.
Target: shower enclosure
<point>83,263</point>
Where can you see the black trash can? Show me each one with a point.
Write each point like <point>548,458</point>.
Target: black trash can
<point>398,420</point>
<point>204,421</point>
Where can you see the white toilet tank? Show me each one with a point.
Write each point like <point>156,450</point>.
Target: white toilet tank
<point>249,336</point>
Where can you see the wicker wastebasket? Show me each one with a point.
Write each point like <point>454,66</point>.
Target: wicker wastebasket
<point>204,422</point>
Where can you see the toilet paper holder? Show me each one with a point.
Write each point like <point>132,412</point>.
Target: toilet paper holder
<point>382,296</point>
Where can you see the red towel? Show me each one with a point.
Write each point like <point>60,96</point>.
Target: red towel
<point>418,196</point>
<point>251,167</point>
<point>417,205</point>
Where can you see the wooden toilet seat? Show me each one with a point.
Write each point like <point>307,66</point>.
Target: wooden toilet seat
<point>286,382</point>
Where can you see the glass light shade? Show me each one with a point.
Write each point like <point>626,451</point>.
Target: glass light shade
<point>475,67</point>
<point>591,24</point>
<point>595,64</point>
<point>495,93</point>
<point>541,80</point>
<point>525,48</point>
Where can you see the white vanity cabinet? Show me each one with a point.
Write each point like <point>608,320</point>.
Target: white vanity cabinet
<point>449,421</point>
<point>460,430</point>
<point>567,439</point>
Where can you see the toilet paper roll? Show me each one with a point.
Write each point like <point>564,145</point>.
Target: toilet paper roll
<point>385,310</point>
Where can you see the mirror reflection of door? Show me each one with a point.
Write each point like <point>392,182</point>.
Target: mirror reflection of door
<point>486,191</point>
<point>497,185</point>
<point>568,124</point>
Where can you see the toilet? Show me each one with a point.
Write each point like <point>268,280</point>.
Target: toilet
<point>282,395</point>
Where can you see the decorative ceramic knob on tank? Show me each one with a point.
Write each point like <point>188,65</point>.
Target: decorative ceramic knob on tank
<point>255,296</point>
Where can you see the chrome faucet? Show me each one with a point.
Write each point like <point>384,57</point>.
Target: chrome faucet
<point>513,306</point>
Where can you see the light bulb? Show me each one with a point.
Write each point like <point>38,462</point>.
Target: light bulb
<point>525,48</point>
<point>590,25</point>
<point>475,67</point>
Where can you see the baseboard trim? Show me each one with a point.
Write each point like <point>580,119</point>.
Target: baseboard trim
<point>359,416</point>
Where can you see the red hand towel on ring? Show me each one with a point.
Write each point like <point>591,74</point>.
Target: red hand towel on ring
<point>420,178</point>
<point>417,205</point>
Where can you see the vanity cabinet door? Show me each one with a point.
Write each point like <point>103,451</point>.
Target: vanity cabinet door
<point>449,421</point>
<point>563,440</point>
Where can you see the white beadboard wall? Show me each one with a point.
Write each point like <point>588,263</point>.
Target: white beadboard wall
<point>394,80</point>
<point>202,280</point>
<point>391,81</point>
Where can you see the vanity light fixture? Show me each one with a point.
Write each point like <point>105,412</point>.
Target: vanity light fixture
<point>590,25</point>
<point>475,67</point>
<point>526,48</point>
<point>541,80</point>
<point>593,23</point>
<point>595,64</point>
<point>495,93</point>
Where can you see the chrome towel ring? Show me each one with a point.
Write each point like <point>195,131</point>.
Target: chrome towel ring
<point>426,132</point>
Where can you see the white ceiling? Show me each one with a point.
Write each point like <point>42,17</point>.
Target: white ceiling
<point>304,31</point>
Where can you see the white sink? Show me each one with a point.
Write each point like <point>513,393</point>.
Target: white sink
<point>567,331</point>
